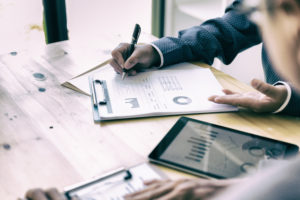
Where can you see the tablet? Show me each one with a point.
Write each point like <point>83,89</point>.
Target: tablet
<point>211,150</point>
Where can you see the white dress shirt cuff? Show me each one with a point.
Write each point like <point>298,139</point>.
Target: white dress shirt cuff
<point>160,55</point>
<point>288,97</point>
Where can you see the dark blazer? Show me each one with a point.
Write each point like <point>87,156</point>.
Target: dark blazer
<point>221,38</point>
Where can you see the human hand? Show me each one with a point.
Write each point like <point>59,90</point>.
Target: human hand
<point>143,56</point>
<point>49,194</point>
<point>268,98</point>
<point>181,189</point>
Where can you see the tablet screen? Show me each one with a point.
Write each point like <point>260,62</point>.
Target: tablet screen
<point>217,151</point>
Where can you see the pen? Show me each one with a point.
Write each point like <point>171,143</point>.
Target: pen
<point>135,37</point>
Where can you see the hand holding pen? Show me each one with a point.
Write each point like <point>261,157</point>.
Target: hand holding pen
<point>134,39</point>
<point>132,58</point>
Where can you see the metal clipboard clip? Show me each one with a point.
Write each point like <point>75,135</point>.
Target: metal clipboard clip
<point>102,100</point>
<point>102,182</point>
<point>100,97</point>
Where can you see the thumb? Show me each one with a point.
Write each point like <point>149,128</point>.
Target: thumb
<point>131,62</point>
<point>265,88</point>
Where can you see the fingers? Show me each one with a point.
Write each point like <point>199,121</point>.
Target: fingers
<point>180,189</point>
<point>173,195</point>
<point>236,100</point>
<point>212,98</point>
<point>132,60</point>
<point>205,192</point>
<point>39,194</point>
<point>36,194</point>
<point>226,91</point>
<point>254,101</point>
<point>116,66</point>
<point>54,194</point>
<point>267,98</point>
<point>118,54</point>
<point>154,189</point>
<point>265,88</point>
<point>143,56</point>
<point>119,69</point>
<point>152,182</point>
<point>228,99</point>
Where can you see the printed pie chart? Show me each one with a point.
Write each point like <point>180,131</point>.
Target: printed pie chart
<point>182,100</point>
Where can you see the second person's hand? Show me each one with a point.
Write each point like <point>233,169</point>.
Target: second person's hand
<point>143,56</point>
<point>49,194</point>
<point>267,98</point>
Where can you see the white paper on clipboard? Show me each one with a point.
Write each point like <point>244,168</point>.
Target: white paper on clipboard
<point>115,185</point>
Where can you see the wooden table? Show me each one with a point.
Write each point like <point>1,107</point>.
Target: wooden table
<point>48,137</point>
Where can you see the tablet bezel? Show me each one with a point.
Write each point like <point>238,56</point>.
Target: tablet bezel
<point>154,156</point>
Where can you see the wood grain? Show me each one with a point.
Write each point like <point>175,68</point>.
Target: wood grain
<point>48,137</point>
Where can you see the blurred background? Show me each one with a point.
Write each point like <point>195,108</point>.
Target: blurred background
<point>23,24</point>
<point>22,21</point>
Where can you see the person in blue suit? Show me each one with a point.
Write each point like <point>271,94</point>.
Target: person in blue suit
<point>222,38</point>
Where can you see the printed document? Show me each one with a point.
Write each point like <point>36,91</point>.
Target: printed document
<point>114,186</point>
<point>159,92</point>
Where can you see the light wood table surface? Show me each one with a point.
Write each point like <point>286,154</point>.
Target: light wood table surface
<point>48,137</point>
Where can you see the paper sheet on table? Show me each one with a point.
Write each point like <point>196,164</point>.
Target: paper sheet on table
<point>181,89</point>
<point>80,82</point>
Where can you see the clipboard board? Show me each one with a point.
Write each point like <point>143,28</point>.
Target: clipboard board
<point>155,93</point>
<point>99,97</point>
<point>115,184</point>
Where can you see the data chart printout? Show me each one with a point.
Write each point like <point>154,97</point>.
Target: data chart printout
<point>157,92</point>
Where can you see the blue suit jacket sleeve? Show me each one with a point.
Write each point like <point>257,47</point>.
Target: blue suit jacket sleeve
<point>293,107</point>
<point>222,37</point>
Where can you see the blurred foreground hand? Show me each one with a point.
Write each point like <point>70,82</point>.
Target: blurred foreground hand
<point>49,194</point>
<point>181,189</point>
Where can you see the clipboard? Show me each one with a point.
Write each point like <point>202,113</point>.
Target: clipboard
<point>115,184</point>
<point>99,97</point>
<point>155,93</point>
